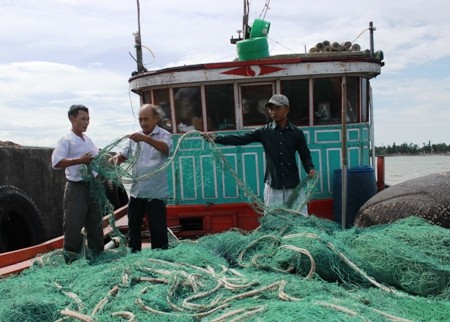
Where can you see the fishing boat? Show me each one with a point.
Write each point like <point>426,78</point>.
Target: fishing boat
<point>330,100</point>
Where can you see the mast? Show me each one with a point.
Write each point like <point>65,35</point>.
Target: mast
<point>245,28</point>
<point>138,44</point>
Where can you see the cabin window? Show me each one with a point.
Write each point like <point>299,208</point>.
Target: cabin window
<point>220,107</point>
<point>161,97</point>
<point>327,100</point>
<point>353,99</point>
<point>253,98</point>
<point>146,97</point>
<point>297,91</point>
<point>366,100</point>
<point>188,109</point>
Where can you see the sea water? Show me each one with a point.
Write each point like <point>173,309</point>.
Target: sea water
<point>402,168</point>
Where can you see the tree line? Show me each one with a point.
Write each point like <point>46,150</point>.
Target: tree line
<point>411,148</point>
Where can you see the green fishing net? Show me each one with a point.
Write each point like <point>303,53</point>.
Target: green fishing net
<point>291,268</point>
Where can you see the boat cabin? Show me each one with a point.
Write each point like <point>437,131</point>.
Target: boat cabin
<point>330,100</point>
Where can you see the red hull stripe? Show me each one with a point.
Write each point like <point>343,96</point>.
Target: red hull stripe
<point>253,70</point>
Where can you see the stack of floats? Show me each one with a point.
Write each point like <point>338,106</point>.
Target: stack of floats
<point>257,46</point>
<point>325,47</point>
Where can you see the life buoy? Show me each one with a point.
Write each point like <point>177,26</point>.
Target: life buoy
<point>20,220</point>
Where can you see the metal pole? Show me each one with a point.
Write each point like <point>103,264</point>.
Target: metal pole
<point>344,151</point>
<point>371,28</point>
<point>245,31</point>
<point>138,43</point>
<point>371,131</point>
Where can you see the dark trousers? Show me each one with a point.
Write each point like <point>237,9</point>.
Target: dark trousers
<point>81,210</point>
<point>155,209</point>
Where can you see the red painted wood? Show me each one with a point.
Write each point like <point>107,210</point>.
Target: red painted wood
<point>16,261</point>
<point>209,219</point>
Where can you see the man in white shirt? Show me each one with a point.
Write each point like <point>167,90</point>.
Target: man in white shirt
<point>72,152</point>
<point>149,149</point>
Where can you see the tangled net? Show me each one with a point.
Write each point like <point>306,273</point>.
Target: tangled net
<point>292,268</point>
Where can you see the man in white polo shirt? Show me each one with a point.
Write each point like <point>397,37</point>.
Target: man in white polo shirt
<point>72,151</point>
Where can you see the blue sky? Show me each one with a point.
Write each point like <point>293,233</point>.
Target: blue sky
<point>55,53</point>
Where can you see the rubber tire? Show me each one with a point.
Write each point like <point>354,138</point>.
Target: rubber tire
<point>20,220</point>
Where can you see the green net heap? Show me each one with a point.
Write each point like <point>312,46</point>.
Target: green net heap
<point>291,268</point>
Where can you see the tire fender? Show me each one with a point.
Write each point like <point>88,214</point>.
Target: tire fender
<point>20,220</point>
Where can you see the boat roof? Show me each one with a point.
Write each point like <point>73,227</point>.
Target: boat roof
<point>285,65</point>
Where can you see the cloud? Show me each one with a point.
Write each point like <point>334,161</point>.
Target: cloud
<point>412,111</point>
<point>37,96</point>
<point>59,52</point>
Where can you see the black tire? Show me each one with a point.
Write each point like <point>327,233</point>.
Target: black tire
<point>20,220</point>
<point>117,195</point>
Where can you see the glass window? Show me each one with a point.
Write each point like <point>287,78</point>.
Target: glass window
<point>146,97</point>
<point>161,97</point>
<point>188,109</point>
<point>220,107</point>
<point>327,100</point>
<point>297,92</point>
<point>352,99</point>
<point>253,98</point>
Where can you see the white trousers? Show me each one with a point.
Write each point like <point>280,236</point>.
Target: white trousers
<point>278,197</point>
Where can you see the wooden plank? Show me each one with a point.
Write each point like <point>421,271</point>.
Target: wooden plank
<point>20,255</point>
<point>15,268</point>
